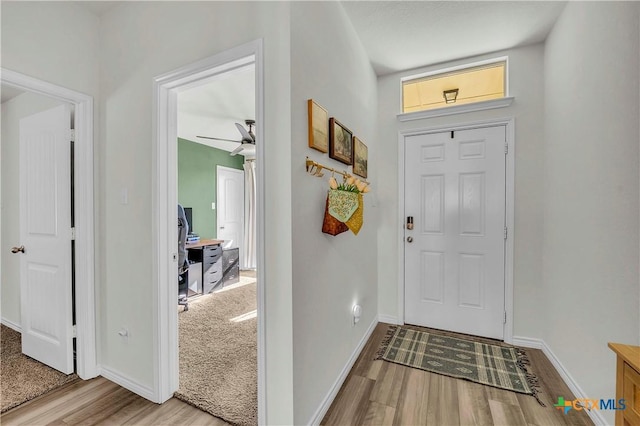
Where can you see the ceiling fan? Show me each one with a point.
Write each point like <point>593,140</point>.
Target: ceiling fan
<point>248,137</point>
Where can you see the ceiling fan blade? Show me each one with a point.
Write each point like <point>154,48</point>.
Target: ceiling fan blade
<point>237,150</point>
<point>218,139</point>
<point>246,136</point>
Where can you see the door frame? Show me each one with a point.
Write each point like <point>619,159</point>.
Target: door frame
<point>509,124</point>
<point>85,307</point>
<point>164,192</point>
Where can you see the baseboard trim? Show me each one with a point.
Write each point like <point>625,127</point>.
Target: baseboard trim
<point>12,325</point>
<point>388,319</point>
<point>535,343</point>
<point>127,383</point>
<point>528,342</point>
<point>326,402</point>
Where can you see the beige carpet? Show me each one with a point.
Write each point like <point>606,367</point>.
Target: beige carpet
<point>23,378</point>
<point>218,353</point>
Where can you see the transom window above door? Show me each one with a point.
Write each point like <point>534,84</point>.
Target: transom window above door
<point>463,85</point>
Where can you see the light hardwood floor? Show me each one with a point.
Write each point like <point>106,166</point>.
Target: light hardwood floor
<point>383,393</point>
<point>375,393</point>
<point>99,401</point>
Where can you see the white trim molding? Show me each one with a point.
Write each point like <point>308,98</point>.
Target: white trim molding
<point>85,306</point>
<point>388,319</point>
<point>335,388</point>
<point>126,382</point>
<point>165,200</point>
<point>535,343</point>
<point>12,325</point>
<point>456,109</point>
<point>509,124</point>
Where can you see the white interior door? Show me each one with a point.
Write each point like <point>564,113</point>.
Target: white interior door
<point>230,208</point>
<point>454,255</point>
<point>46,304</point>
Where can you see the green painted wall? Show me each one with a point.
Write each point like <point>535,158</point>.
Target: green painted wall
<point>197,182</point>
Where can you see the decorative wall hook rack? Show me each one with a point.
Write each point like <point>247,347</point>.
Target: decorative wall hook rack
<point>315,169</point>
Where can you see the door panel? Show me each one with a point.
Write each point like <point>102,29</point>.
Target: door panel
<point>45,231</point>
<point>454,266</point>
<point>230,199</point>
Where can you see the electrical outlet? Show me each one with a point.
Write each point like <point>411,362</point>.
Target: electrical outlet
<point>213,206</point>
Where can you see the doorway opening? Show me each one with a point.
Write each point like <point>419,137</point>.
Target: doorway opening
<point>168,193</point>
<point>217,324</point>
<point>49,186</point>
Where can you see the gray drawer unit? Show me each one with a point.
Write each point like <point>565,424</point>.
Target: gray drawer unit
<point>211,250</point>
<point>211,268</point>
<point>230,266</point>
<point>230,258</point>
<point>231,276</point>
<point>212,277</point>
<point>210,257</point>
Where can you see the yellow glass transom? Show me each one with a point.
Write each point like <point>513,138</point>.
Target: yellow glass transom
<point>474,84</point>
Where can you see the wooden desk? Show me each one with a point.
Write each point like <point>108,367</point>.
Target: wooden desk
<point>627,383</point>
<point>204,242</point>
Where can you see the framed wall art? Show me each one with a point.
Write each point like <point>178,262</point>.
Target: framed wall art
<point>318,126</point>
<point>360,157</point>
<point>340,142</point>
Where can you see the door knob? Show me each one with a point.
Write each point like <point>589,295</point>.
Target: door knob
<point>17,249</point>
<point>409,239</point>
<point>222,227</point>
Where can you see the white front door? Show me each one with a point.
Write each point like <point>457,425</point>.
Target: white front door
<point>230,200</point>
<point>46,305</point>
<point>454,255</point>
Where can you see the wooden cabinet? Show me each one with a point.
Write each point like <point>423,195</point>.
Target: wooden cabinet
<point>627,383</point>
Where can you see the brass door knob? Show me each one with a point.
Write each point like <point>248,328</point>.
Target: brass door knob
<point>17,249</point>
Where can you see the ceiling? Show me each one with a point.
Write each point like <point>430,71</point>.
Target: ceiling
<point>401,35</point>
<point>213,108</point>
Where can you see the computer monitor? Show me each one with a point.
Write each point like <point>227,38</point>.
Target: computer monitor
<point>188,211</point>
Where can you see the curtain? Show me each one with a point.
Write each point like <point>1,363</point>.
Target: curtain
<point>249,248</point>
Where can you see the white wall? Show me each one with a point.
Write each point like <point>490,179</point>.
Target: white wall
<point>37,41</point>
<point>591,189</point>
<point>12,112</point>
<point>53,41</point>
<point>526,85</point>
<point>330,273</point>
<point>139,41</point>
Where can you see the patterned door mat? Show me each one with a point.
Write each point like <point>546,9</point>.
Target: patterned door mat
<point>492,365</point>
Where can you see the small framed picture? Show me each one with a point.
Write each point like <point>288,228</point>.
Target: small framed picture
<point>318,127</point>
<point>340,142</point>
<point>360,156</point>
